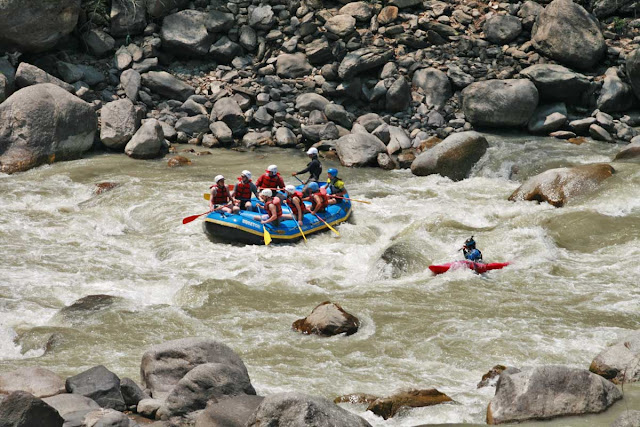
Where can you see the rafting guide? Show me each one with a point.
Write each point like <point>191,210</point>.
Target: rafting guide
<point>314,167</point>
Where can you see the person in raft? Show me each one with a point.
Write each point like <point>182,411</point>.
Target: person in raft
<point>273,208</point>
<point>335,187</point>
<point>319,199</point>
<point>242,191</point>
<point>314,167</point>
<point>271,180</point>
<point>220,196</point>
<point>295,203</point>
<point>470,251</point>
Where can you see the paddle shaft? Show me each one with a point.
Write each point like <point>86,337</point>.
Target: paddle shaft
<point>325,223</point>
<point>193,217</point>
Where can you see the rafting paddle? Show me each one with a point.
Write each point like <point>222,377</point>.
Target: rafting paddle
<point>296,221</point>
<point>326,223</point>
<point>188,219</point>
<point>351,200</point>
<point>267,236</point>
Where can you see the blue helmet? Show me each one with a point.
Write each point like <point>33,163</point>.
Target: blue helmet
<point>333,172</point>
<point>313,186</point>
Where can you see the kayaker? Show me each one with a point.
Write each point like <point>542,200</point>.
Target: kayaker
<point>242,191</point>
<point>271,180</point>
<point>273,208</point>
<point>295,203</point>
<point>470,251</point>
<point>335,187</point>
<point>219,196</point>
<point>314,167</point>
<point>319,200</point>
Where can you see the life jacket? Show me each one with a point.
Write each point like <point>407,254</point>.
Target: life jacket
<point>323,204</point>
<point>332,185</point>
<point>292,206</point>
<point>272,182</point>
<point>276,202</point>
<point>222,195</point>
<point>243,191</point>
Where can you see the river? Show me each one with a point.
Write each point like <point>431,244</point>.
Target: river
<point>571,290</point>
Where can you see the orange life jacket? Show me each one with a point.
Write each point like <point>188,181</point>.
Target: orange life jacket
<point>323,203</point>
<point>271,182</point>
<point>276,202</point>
<point>243,191</point>
<point>222,195</point>
<point>292,206</point>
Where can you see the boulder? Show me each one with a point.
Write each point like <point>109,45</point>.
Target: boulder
<point>167,85</point>
<point>164,365</point>
<point>547,392</point>
<point>193,125</point>
<point>359,149</point>
<point>220,22</point>
<point>499,103</point>
<point>339,115</point>
<point>360,10</point>
<point>292,65</point>
<point>548,118</point>
<point>627,419</point>
<point>161,8</point>
<point>228,111</point>
<point>387,407</point>
<point>629,152</point>
<point>301,410</point>
<point>328,319</point>
<point>98,42</point>
<point>599,133</point>
<point>435,85</point>
<point>106,418</point>
<point>502,29</point>
<point>458,77</point>
<point>42,124</point>
<point>147,142</point>
<point>29,75</point>
<point>620,363</point>
<point>68,403</point>
<point>177,161</point>
<point>224,50</point>
<point>529,12</point>
<point>37,381</point>
<point>202,383</point>
<point>398,97</point>
<point>130,80</point>
<point>387,15</point>
<point>119,123</point>
<point>22,409</point>
<point>149,407</point>
<point>397,137</point>
<point>567,33</point>
<point>230,412</point>
<point>559,186</point>
<point>341,25</point>
<point>262,17</point>
<point>70,73</point>
<point>615,95</point>
<point>221,131</point>
<point>632,64</point>
<point>454,157</point>
<point>581,126</point>
<point>248,38</point>
<point>99,384</point>
<point>363,59</point>
<point>35,26</point>
<point>557,83</point>
<point>370,121</point>
<point>127,17</point>
<point>185,34</point>
<point>131,392</point>
<point>604,8</point>
<point>307,102</point>
<point>285,137</point>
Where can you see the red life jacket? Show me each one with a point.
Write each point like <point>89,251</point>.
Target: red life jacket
<point>323,204</point>
<point>292,206</point>
<point>243,191</point>
<point>276,202</point>
<point>271,182</point>
<point>222,195</point>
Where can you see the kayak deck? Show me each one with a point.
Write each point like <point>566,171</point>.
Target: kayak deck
<point>478,267</point>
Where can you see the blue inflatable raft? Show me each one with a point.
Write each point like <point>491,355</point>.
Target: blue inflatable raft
<point>243,228</point>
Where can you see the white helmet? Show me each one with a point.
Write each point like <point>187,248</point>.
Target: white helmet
<point>290,189</point>
<point>313,151</point>
<point>266,193</point>
<point>218,178</point>
<point>272,169</point>
<point>246,173</point>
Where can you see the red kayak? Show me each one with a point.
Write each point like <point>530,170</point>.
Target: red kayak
<point>479,267</point>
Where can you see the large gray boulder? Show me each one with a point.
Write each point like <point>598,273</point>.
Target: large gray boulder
<point>35,26</point>
<point>620,363</point>
<point>203,383</point>
<point>130,80</point>
<point>230,412</point>
<point>161,8</point>
<point>301,410</point>
<point>499,103</point>
<point>615,95</point>
<point>359,149</point>
<point>341,25</point>
<point>193,125</point>
<point>548,118</point>
<point>185,34</point>
<point>262,17</point>
<point>547,392</point>
<point>40,382</point>
<point>632,64</point>
<point>559,186</point>
<point>398,97</point>
<point>434,84</point>
<point>127,17</point>
<point>131,392</point>
<point>557,83</point>
<point>224,50</point>
<point>228,111</point>
<point>22,409</point>
<point>99,384</point>
<point>42,124</point>
<point>119,123</point>
<point>627,419</point>
<point>164,365</point>
<point>630,152</point>
<point>502,29</point>
<point>29,75</point>
<point>529,12</point>
<point>147,142</point>
<point>307,102</point>
<point>454,157</point>
<point>363,59</point>
<point>569,34</point>
<point>292,65</point>
<point>604,8</point>
<point>328,319</point>
<point>167,85</point>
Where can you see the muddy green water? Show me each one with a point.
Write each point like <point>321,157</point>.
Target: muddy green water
<point>572,288</point>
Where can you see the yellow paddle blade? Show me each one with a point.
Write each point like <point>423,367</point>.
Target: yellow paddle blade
<point>331,228</point>
<point>267,236</point>
<point>207,196</point>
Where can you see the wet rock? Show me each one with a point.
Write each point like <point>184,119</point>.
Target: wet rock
<point>454,157</point>
<point>230,412</point>
<point>549,391</point>
<point>558,186</point>
<point>24,409</point>
<point>567,33</point>
<point>292,65</point>
<point>491,377</point>
<point>228,111</point>
<point>563,134</point>
<point>398,97</point>
<point>131,392</point>
<point>29,75</point>
<point>167,85</point>
<point>147,141</point>
<point>629,152</point>
<point>36,27</point>
<point>39,382</point>
<point>328,319</point>
<point>54,125</point>
<point>548,118</point>
<point>176,161</point>
<point>557,83</point>
<point>204,382</point>
<point>389,406</point>
<point>103,187</point>
<point>386,162</point>
<point>619,363</point>
<point>363,59</point>
<point>599,133</point>
<point>164,365</point>
<point>627,419</point>
<point>502,29</point>
<point>119,123</point>
<point>254,139</point>
<point>435,85</point>
<point>615,95</point>
<point>356,398</point>
<point>499,103</point>
<point>185,34</point>
<point>161,8</point>
<point>359,149</point>
<point>99,384</point>
<point>302,410</point>
<point>127,17</point>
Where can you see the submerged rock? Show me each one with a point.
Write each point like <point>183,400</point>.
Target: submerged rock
<point>387,407</point>
<point>620,363</point>
<point>328,319</point>
<point>629,152</point>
